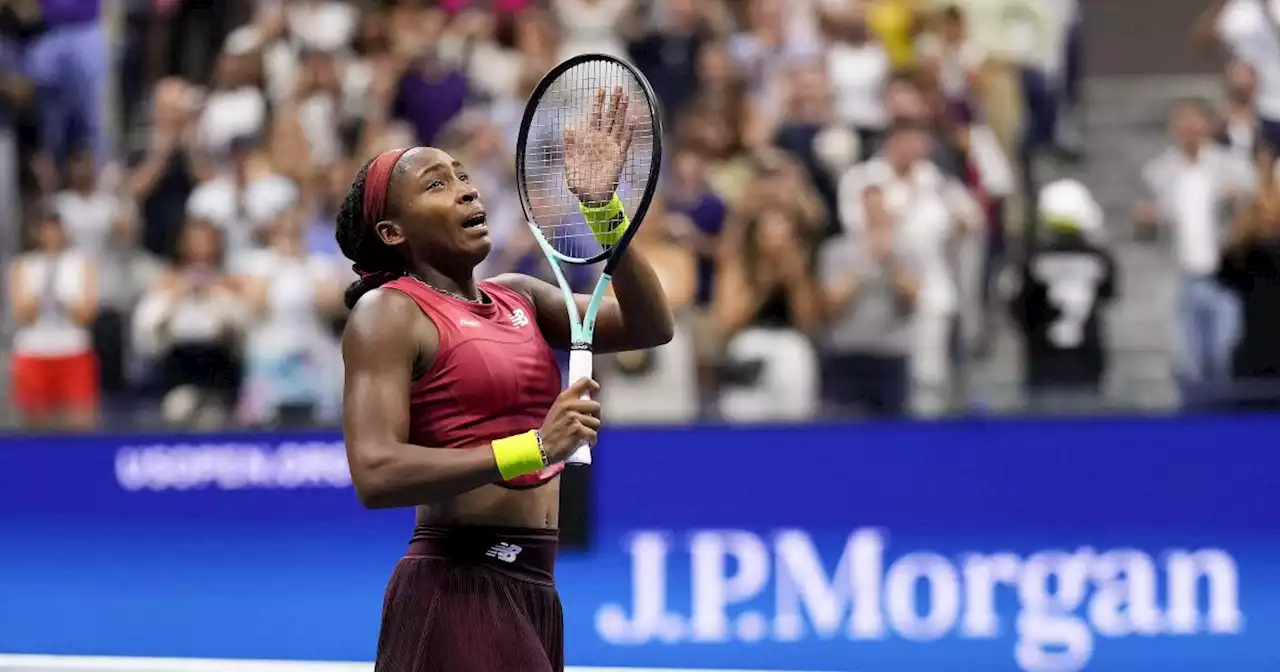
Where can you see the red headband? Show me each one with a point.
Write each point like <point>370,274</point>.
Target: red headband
<point>376,182</point>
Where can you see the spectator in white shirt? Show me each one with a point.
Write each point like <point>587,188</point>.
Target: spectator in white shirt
<point>323,25</point>
<point>99,226</point>
<point>1190,186</point>
<point>1238,127</point>
<point>188,326</point>
<point>869,299</point>
<point>289,348</point>
<point>53,296</point>
<point>858,68</point>
<point>318,102</point>
<point>1250,32</point>
<point>928,209</point>
<point>988,174</point>
<point>592,26</point>
<point>763,51</point>
<point>243,199</point>
<point>951,58</point>
<point>236,107</point>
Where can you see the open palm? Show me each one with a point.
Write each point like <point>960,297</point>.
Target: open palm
<point>594,156</point>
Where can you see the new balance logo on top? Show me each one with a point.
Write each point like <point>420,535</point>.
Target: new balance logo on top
<point>518,319</point>
<point>504,552</point>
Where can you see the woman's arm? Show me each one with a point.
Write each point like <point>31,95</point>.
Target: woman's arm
<point>1204,32</point>
<point>150,326</point>
<point>904,280</point>
<point>635,318</point>
<point>839,275</point>
<point>26,304</point>
<point>804,296</point>
<point>734,300</point>
<point>146,176</point>
<point>384,337</point>
<point>85,306</point>
<point>252,289</point>
<point>289,148</point>
<point>197,159</point>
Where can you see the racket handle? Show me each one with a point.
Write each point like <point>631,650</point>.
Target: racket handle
<point>580,367</point>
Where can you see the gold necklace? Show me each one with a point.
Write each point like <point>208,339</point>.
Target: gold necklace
<point>482,300</point>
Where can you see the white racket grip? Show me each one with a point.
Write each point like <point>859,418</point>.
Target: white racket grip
<point>580,367</point>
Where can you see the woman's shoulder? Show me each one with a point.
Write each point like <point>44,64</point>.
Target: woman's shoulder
<point>508,287</point>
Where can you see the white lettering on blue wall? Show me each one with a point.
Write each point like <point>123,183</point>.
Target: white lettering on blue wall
<point>744,587</point>
<point>233,466</point>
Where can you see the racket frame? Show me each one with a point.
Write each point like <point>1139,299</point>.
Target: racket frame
<point>582,325</point>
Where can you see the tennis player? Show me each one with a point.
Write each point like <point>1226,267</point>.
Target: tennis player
<point>452,404</point>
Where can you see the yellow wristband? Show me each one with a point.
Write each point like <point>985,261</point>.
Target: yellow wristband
<point>608,222</point>
<point>519,455</point>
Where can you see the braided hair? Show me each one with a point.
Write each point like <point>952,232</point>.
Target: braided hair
<point>376,262</point>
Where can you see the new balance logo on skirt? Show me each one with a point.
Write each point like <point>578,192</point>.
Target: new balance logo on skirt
<point>504,552</point>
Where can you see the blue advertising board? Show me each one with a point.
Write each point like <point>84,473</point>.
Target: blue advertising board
<point>1038,545</point>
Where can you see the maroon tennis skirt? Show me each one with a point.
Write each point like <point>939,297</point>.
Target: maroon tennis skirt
<point>473,599</point>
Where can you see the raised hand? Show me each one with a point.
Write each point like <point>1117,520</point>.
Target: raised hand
<point>594,156</point>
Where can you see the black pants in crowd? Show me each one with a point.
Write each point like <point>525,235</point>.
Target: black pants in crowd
<point>111,346</point>
<point>213,368</point>
<point>864,385</point>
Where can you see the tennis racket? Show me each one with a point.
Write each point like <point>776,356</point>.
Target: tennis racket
<point>587,161</point>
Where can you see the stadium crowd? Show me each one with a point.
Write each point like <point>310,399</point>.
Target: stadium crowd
<point>849,211</point>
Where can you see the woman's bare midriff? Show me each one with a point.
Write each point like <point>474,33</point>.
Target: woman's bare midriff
<point>494,505</point>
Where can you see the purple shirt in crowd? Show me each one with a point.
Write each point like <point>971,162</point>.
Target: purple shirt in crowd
<point>67,12</point>
<point>430,104</point>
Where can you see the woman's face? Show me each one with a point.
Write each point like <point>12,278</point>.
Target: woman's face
<point>908,146</point>
<point>437,212</point>
<point>775,185</point>
<point>904,101</point>
<point>1190,125</point>
<point>712,133</point>
<point>715,66</point>
<point>952,30</point>
<point>766,14</point>
<point>680,12</point>
<point>1242,82</point>
<point>287,235</point>
<point>199,244</point>
<point>234,71</point>
<point>81,170</point>
<point>851,23</point>
<point>323,71</point>
<point>373,38</point>
<point>690,167</point>
<point>810,91</point>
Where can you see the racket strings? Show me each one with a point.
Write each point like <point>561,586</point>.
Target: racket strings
<point>592,125</point>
